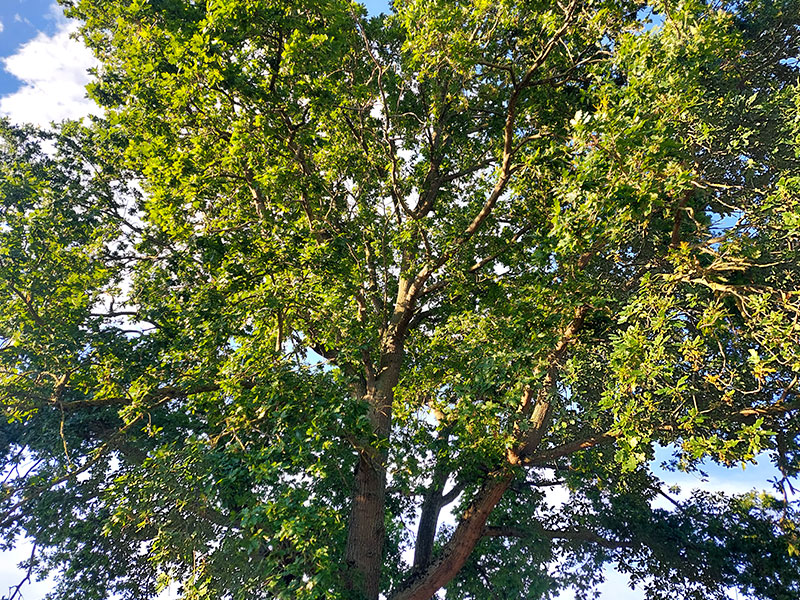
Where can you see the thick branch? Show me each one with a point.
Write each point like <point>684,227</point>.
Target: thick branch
<point>675,237</point>
<point>536,405</point>
<point>429,516</point>
<point>745,415</point>
<point>422,586</point>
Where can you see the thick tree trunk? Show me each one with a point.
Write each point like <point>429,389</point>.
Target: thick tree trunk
<point>364,550</point>
<point>365,536</point>
<point>366,531</point>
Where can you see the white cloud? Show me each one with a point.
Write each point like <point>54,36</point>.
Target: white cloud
<point>1,27</point>
<point>53,70</point>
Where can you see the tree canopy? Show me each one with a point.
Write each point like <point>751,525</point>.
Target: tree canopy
<point>316,279</point>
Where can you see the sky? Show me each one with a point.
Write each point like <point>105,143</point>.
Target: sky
<point>43,71</point>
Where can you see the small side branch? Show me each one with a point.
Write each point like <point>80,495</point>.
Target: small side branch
<point>545,457</point>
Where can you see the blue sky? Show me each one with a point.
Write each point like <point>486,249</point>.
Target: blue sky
<point>21,21</point>
<point>42,74</point>
<point>44,70</point>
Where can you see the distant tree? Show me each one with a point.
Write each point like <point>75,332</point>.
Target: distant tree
<point>316,278</point>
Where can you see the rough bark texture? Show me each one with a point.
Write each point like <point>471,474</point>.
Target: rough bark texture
<point>364,550</point>
<point>365,537</point>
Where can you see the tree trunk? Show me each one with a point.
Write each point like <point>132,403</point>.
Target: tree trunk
<point>366,530</point>
<point>364,550</point>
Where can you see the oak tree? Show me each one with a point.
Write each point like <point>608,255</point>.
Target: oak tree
<point>318,279</point>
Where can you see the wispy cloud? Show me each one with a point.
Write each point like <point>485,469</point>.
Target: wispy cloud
<point>53,70</point>
<point>18,18</point>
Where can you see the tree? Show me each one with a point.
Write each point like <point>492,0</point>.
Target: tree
<point>316,278</point>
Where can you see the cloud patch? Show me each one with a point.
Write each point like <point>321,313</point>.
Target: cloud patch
<point>53,70</point>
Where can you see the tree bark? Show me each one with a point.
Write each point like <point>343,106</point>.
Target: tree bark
<point>364,550</point>
<point>535,410</point>
<point>366,529</point>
